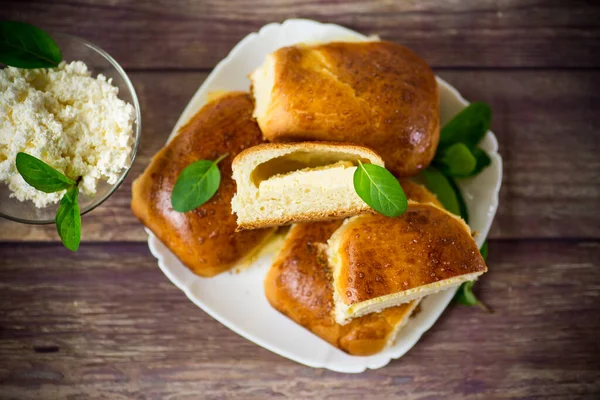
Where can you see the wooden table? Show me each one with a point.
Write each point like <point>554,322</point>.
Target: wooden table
<point>105,323</point>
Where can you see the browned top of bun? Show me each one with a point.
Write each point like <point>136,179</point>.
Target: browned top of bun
<point>380,255</point>
<point>204,239</point>
<point>379,94</point>
<point>298,285</point>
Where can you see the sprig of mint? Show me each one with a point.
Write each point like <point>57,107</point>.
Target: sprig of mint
<point>45,178</point>
<point>468,126</point>
<point>26,46</point>
<point>380,189</point>
<point>457,160</point>
<point>458,156</point>
<point>196,184</point>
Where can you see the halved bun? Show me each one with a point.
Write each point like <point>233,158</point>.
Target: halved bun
<point>380,262</point>
<point>299,286</point>
<point>204,239</point>
<point>377,94</point>
<point>280,183</point>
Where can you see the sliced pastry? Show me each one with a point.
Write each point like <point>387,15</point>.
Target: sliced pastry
<point>380,262</point>
<point>298,285</point>
<point>281,183</point>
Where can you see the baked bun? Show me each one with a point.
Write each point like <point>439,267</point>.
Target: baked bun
<point>380,262</point>
<point>203,239</point>
<point>280,183</point>
<point>298,285</point>
<point>377,94</point>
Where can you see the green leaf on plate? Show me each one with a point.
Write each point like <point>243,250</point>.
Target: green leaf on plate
<point>484,250</point>
<point>40,175</point>
<point>462,206</point>
<point>483,160</point>
<point>380,189</point>
<point>196,184</point>
<point>26,46</point>
<point>68,219</point>
<point>457,161</point>
<point>464,294</point>
<point>468,127</point>
<point>458,156</point>
<point>440,185</point>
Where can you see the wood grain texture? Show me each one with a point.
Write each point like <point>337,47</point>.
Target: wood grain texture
<point>546,123</point>
<point>106,323</point>
<point>186,34</point>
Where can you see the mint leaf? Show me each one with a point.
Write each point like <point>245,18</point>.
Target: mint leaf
<point>380,189</point>
<point>465,295</point>
<point>45,178</point>
<point>457,156</point>
<point>26,46</point>
<point>457,161</point>
<point>40,175</point>
<point>68,219</point>
<point>440,185</point>
<point>468,127</point>
<point>483,160</point>
<point>484,250</point>
<point>196,184</point>
<point>462,206</point>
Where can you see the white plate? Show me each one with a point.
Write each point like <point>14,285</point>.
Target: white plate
<point>237,300</point>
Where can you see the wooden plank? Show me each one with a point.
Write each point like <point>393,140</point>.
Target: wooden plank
<point>106,323</point>
<point>192,34</point>
<point>546,122</point>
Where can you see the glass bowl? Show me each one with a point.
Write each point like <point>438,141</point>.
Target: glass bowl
<point>98,62</point>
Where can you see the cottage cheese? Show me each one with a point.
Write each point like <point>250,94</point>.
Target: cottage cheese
<point>66,118</point>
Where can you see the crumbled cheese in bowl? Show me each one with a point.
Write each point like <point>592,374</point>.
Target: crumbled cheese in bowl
<point>75,123</point>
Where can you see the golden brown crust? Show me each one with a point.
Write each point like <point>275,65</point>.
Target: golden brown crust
<point>204,239</point>
<point>366,152</point>
<point>298,285</point>
<point>306,217</point>
<point>381,255</point>
<point>378,94</point>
